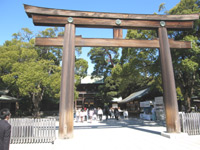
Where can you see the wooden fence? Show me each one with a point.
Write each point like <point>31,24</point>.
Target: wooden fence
<point>33,130</point>
<point>190,123</point>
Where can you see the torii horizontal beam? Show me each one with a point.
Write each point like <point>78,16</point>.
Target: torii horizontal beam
<point>32,10</point>
<point>57,17</point>
<point>91,42</point>
<point>41,20</point>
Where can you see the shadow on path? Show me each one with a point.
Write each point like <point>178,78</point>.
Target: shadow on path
<point>133,123</point>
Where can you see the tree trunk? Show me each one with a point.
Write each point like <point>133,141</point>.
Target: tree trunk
<point>110,57</point>
<point>36,109</point>
<point>36,99</point>
<point>17,108</point>
<point>187,100</point>
<point>188,104</point>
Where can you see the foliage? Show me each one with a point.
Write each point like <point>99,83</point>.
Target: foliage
<point>140,67</point>
<point>161,7</point>
<point>32,72</point>
<point>186,62</point>
<point>81,67</point>
<point>186,7</point>
<point>137,65</point>
<point>104,59</point>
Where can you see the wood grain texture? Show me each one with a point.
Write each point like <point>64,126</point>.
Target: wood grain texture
<point>117,33</point>
<point>30,10</point>
<point>90,42</point>
<point>168,82</point>
<point>66,117</point>
<point>41,20</point>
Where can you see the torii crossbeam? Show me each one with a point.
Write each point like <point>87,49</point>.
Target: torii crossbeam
<point>71,19</point>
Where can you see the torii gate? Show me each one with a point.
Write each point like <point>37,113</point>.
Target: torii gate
<point>71,19</point>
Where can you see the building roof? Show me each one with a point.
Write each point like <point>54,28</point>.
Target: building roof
<point>3,92</point>
<point>92,80</point>
<point>135,95</point>
<point>7,98</point>
<point>117,99</point>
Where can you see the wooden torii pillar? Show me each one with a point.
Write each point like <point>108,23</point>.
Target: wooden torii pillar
<point>71,19</point>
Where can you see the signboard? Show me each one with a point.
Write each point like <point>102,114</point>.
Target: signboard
<point>160,110</point>
<point>114,105</point>
<point>159,102</point>
<point>145,104</point>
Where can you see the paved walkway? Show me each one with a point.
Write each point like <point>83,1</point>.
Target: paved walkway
<point>117,135</point>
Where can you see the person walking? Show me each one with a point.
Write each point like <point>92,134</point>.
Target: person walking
<point>85,114</point>
<point>91,113</point>
<point>5,129</point>
<point>100,113</point>
<point>112,112</point>
<point>116,112</point>
<point>106,112</point>
<point>153,113</point>
<point>82,115</point>
<point>77,115</point>
<point>95,114</point>
<point>125,113</point>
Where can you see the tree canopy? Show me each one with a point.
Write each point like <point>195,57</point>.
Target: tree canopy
<point>137,68</point>
<point>33,72</point>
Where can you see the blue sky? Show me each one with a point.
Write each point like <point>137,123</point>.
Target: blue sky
<point>13,16</point>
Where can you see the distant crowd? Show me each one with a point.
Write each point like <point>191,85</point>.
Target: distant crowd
<point>96,114</point>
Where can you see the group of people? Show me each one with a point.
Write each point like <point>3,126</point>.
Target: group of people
<point>85,114</point>
<point>115,112</point>
<point>82,115</point>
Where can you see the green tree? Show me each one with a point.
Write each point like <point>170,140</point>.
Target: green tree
<point>104,59</point>
<point>23,69</point>
<point>138,66</point>
<point>29,71</point>
<point>186,62</point>
<point>81,66</point>
<point>31,78</point>
<point>51,52</point>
